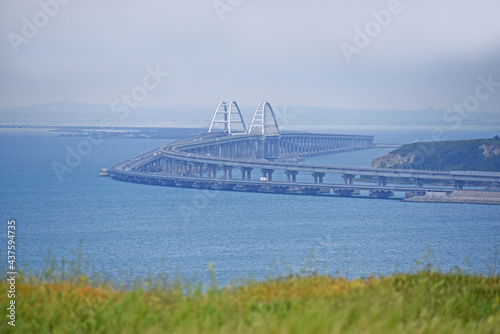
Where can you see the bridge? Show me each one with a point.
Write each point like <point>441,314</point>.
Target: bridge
<point>225,157</point>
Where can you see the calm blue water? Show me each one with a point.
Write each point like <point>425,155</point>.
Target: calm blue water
<point>130,229</point>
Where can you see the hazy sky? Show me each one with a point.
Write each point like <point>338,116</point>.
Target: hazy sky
<point>424,53</point>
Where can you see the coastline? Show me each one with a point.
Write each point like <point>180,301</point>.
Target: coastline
<point>462,196</point>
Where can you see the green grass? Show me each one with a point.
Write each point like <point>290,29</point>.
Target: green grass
<point>420,302</point>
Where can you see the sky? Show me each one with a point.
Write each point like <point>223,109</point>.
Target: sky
<point>390,55</point>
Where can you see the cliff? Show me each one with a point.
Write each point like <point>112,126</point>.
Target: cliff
<point>480,154</point>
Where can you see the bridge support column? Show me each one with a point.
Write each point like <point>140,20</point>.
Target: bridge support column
<point>260,152</point>
<point>348,178</point>
<point>179,167</point>
<point>198,170</point>
<point>318,177</point>
<point>246,173</point>
<point>418,183</point>
<point>272,147</point>
<point>227,171</point>
<point>184,168</point>
<point>267,173</point>
<point>174,167</point>
<point>291,174</point>
<point>165,166</point>
<point>190,169</point>
<point>212,171</point>
<point>381,180</point>
<point>195,170</point>
<point>170,167</point>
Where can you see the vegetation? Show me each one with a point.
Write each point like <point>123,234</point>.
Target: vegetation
<point>427,301</point>
<point>479,155</point>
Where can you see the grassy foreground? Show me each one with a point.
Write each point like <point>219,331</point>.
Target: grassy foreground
<point>422,302</point>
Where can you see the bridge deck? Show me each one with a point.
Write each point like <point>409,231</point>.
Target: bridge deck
<point>187,170</point>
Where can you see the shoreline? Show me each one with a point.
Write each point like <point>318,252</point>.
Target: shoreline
<point>461,197</point>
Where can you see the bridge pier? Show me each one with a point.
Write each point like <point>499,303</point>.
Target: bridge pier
<point>381,180</point>
<point>227,171</point>
<point>318,177</point>
<point>272,147</point>
<point>247,149</point>
<point>182,168</point>
<point>178,168</point>
<point>170,167</point>
<point>246,173</point>
<point>173,167</point>
<point>267,173</point>
<point>260,150</point>
<point>192,170</point>
<point>212,171</point>
<point>418,182</point>
<point>199,170</point>
<point>291,174</point>
<point>348,178</point>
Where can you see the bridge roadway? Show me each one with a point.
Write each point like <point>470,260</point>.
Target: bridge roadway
<point>251,146</point>
<point>173,163</point>
<point>279,187</point>
<point>451,176</point>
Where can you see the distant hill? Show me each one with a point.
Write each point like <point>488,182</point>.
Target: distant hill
<point>480,154</point>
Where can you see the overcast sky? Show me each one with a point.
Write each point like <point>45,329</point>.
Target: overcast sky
<point>427,53</point>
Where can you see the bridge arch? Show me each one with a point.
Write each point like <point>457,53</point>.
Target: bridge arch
<point>227,115</point>
<point>264,121</point>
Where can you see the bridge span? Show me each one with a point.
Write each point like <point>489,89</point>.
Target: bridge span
<point>225,157</point>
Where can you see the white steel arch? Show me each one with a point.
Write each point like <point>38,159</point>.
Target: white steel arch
<point>228,115</point>
<point>264,121</point>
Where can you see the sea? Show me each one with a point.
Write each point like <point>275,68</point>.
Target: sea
<point>63,209</point>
